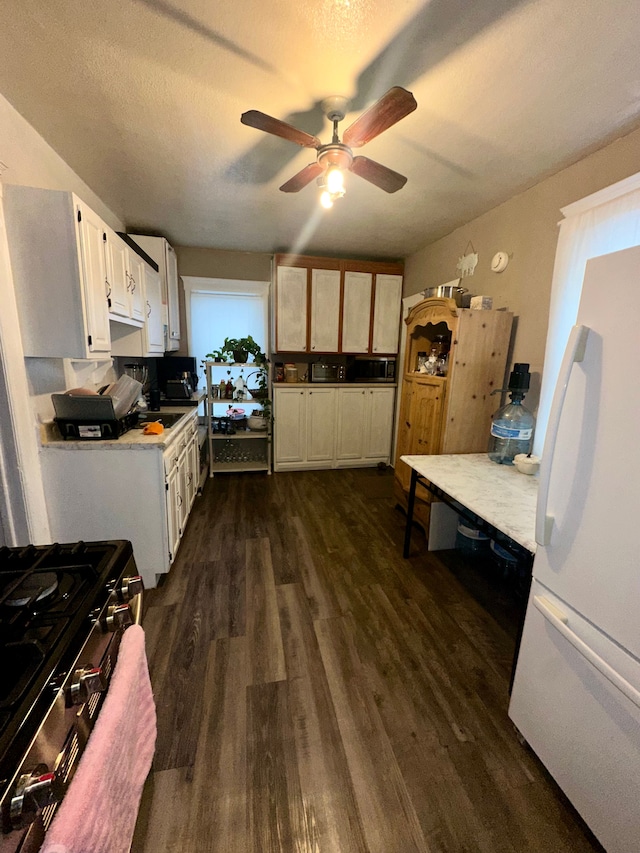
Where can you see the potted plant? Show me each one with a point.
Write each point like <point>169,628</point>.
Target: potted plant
<point>238,350</point>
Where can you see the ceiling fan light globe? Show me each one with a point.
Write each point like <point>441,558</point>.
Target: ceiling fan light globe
<point>326,200</point>
<point>335,181</point>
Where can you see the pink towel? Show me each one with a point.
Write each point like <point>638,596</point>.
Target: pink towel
<point>98,813</point>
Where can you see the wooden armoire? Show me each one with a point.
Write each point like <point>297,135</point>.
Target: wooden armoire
<point>452,413</point>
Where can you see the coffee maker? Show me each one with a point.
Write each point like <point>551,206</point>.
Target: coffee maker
<point>177,377</point>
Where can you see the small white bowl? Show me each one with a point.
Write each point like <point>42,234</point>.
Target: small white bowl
<point>526,464</point>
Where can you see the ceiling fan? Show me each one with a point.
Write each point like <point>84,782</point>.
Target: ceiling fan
<point>336,156</point>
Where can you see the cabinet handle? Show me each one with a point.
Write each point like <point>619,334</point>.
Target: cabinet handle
<point>133,284</point>
<point>179,499</point>
<point>128,277</point>
<point>149,307</point>
<point>108,287</point>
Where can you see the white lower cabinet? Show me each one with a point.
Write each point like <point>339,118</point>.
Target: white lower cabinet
<point>122,490</point>
<point>343,427</point>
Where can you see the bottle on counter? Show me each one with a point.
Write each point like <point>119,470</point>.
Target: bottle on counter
<point>512,426</point>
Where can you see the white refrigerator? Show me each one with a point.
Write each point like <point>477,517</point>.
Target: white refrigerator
<point>576,691</point>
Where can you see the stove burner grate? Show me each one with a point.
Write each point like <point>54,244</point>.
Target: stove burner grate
<point>33,589</point>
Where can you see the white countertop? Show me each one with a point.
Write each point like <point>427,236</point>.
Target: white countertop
<point>499,494</point>
<point>51,438</point>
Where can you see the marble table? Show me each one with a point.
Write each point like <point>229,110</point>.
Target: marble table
<point>499,495</point>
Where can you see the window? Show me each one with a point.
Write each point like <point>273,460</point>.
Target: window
<point>221,308</point>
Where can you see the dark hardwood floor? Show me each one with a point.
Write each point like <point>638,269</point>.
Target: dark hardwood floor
<point>317,693</point>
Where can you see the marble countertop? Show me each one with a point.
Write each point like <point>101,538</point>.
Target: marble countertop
<point>51,438</point>
<point>499,494</point>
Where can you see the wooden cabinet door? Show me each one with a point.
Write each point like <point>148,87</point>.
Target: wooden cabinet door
<point>379,422</point>
<point>350,422</point>
<point>386,313</point>
<point>356,311</point>
<point>291,309</point>
<point>426,416</point>
<point>290,425</point>
<point>420,422</point>
<point>321,408</point>
<point>91,231</point>
<point>325,310</point>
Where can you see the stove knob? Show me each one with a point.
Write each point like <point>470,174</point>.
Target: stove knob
<point>117,616</point>
<point>85,683</point>
<point>129,588</point>
<point>34,792</point>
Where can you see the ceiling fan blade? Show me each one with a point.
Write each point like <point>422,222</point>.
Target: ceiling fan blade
<point>261,121</point>
<point>396,104</point>
<point>377,174</point>
<point>304,177</point>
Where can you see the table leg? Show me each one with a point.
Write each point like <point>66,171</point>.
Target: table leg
<point>412,498</point>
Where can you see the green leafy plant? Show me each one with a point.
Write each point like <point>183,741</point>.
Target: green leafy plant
<point>238,350</point>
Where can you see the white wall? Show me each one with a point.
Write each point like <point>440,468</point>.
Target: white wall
<point>526,227</point>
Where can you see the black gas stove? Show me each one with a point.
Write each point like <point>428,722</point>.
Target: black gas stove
<point>62,611</point>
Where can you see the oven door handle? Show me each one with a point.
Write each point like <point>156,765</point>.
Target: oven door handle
<point>136,608</point>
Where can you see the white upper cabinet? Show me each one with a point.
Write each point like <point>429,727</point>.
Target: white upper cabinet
<point>117,275</point>
<point>291,309</point>
<point>356,311</point>
<point>325,310</point>
<point>57,250</point>
<point>173,304</point>
<point>136,270</point>
<point>325,305</point>
<point>125,281</point>
<point>163,254</point>
<point>386,314</point>
<point>153,329</point>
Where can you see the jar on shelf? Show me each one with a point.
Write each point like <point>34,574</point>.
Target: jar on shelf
<point>290,373</point>
<point>422,360</point>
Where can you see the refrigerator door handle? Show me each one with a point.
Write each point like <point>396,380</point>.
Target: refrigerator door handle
<point>573,353</point>
<point>559,620</point>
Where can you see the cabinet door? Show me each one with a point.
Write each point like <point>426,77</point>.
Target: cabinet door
<point>116,260</point>
<point>291,309</point>
<point>91,232</point>
<point>173,304</point>
<point>289,425</point>
<point>321,425</point>
<point>153,331</point>
<point>379,424</point>
<point>136,269</point>
<point>356,312</point>
<point>426,416</point>
<point>183,488</point>
<point>194,467</point>
<point>386,314</point>
<point>172,507</point>
<point>350,419</point>
<point>325,310</point>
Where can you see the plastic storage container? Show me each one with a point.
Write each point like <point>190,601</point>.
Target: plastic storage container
<point>505,561</point>
<point>470,540</point>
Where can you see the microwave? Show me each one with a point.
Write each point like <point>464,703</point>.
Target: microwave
<point>366,368</point>
<point>326,372</point>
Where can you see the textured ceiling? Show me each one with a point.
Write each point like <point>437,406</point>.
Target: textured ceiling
<point>143,98</point>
